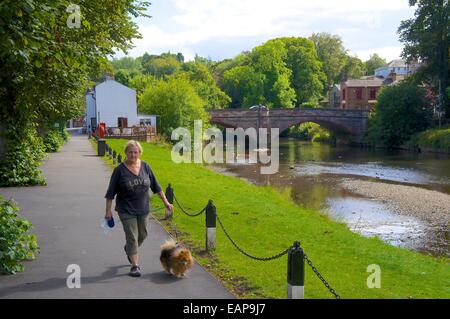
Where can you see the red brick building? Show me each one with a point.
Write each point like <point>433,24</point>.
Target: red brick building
<point>362,94</point>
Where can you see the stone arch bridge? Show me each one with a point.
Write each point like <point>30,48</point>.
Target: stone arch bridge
<point>351,123</point>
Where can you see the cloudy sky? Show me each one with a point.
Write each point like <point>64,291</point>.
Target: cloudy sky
<point>222,29</point>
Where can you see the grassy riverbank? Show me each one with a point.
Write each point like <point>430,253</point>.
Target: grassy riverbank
<point>437,139</point>
<point>264,222</point>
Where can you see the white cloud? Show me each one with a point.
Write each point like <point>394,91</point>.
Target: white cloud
<point>198,21</point>
<point>263,17</point>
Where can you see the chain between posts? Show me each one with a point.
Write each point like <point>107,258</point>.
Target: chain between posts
<point>247,254</point>
<point>321,277</point>
<point>187,213</point>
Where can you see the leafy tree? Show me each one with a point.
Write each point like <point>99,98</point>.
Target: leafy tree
<point>208,62</point>
<point>125,69</point>
<point>162,66</point>
<point>245,86</point>
<point>401,111</point>
<point>374,63</point>
<point>220,68</point>
<point>140,82</point>
<point>45,64</point>
<point>180,57</point>
<point>283,72</point>
<point>332,53</point>
<point>206,87</point>
<point>124,76</point>
<point>176,101</point>
<point>126,63</point>
<point>354,68</point>
<point>427,38</point>
<point>146,58</point>
<point>269,60</point>
<point>308,78</point>
<point>259,77</point>
<point>97,75</point>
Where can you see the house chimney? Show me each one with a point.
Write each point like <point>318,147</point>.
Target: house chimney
<point>344,76</point>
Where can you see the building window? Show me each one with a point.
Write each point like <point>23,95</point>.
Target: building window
<point>373,94</point>
<point>359,93</point>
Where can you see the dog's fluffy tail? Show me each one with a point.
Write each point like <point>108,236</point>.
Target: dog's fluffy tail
<point>169,244</point>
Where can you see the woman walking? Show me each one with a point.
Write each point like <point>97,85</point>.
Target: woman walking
<point>131,182</point>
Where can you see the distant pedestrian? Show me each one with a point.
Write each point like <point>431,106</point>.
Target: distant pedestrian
<point>131,182</point>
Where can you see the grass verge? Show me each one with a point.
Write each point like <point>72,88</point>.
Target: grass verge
<point>436,138</point>
<point>264,221</point>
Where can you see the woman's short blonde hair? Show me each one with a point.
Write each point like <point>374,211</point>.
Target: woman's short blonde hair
<point>133,143</point>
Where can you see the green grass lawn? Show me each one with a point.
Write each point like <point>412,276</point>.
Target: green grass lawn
<point>264,221</point>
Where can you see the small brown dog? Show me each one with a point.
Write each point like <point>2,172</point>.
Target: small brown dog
<point>176,260</point>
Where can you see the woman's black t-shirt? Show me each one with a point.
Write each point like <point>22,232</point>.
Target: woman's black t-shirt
<point>132,190</point>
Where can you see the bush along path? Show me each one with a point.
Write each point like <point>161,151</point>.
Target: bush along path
<point>16,245</point>
<point>263,222</point>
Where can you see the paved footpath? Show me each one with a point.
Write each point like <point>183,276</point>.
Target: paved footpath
<point>66,217</point>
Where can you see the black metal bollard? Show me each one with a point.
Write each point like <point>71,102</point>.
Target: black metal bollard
<point>169,196</point>
<point>114,157</point>
<point>210,226</point>
<point>101,147</point>
<point>296,272</point>
<point>106,147</point>
<point>119,158</point>
<point>110,153</point>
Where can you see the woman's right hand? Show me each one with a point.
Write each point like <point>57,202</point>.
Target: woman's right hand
<point>108,215</point>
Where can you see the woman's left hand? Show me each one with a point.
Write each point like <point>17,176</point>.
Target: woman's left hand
<point>169,206</point>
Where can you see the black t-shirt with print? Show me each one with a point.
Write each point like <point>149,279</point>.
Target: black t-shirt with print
<point>132,190</point>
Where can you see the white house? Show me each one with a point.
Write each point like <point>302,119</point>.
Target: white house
<point>112,103</point>
<point>399,67</point>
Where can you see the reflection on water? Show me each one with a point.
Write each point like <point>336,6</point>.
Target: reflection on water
<point>312,173</point>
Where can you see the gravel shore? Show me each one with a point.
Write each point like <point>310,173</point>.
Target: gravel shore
<point>430,206</point>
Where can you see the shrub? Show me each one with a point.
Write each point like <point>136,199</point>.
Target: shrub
<point>401,111</point>
<point>160,139</point>
<point>311,132</point>
<point>53,141</point>
<point>64,135</point>
<point>323,137</point>
<point>436,138</point>
<point>20,164</point>
<point>16,245</point>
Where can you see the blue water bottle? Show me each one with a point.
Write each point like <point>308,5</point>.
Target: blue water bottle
<point>111,222</point>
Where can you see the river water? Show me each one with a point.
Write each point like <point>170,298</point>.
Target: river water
<point>313,173</point>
